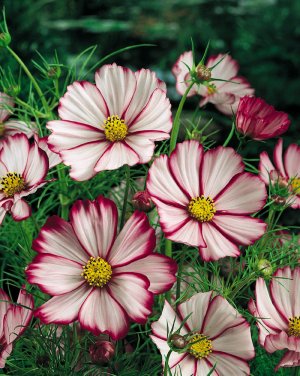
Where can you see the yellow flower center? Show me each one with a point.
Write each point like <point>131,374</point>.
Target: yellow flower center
<point>202,208</point>
<point>115,128</point>
<point>97,272</point>
<point>294,326</point>
<point>295,183</point>
<point>12,183</point>
<point>199,346</point>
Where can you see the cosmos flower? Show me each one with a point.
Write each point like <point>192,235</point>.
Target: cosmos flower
<point>284,174</point>
<point>111,123</point>
<point>215,334</point>
<point>206,200</point>
<point>10,127</point>
<point>224,95</point>
<point>100,278</point>
<point>23,168</point>
<point>258,120</point>
<point>54,159</point>
<point>13,321</point>
<point>278,314</point>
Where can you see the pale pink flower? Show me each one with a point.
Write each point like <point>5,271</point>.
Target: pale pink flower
<point>278,314</point>
<point>205,199</point>
<point>285,171</point>
<point>224,95</point>
<point>258,120</point>
<point>54,159</point>
<point>13,321</point>
<point>223,336</point>
<point>10,127</point>
<point>112,123</point>
<point>97,277</point>
<point>23,168</point>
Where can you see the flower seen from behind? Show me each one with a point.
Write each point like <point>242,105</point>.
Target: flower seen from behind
<point>95,276</point>
<point>205,199</point>
<point>215,335</point>
<point>111,123</point>
<point>23,168</point>
<point>278,314</point>
<point>13,321</point>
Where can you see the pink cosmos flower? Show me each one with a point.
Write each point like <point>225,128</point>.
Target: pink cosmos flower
<point>215,334</point>
<point>96,276</point>
<point>278,313</point>
<point>285,171</point>
<point>258,120</point>
<point>54,159</point>
<point>205,199</point>
<point>13,321</point>
<point>112,123</point>
<point>23,168</point>
<point>224,95</point>
<point>10,127</point>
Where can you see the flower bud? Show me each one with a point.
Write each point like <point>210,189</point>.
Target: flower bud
<point>102,351</point>
<point>265,267</point>
<point>178,341</point>
<point>279,200</point>
<point>5,39</point>
<point>142,201</point>
<point>54,72</point>
<point>203,73</point>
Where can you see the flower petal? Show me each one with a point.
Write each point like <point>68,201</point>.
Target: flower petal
<point>6,103</point>
<point>95,225</point>
<point>63,309</point>
<point>278,160</point>
<point>55,275</point>
<point>229,365</point>
<point>219,166</point>
<point>20,210</point>
<point>282,341</point>
<point>136,240</point>
<point>83,103</point>
<point>57,237</point>
<point>292,161</point>
<point>160,271</point>
<point>102,314</point>
<point>117,86</point>
<point>181,72</point>
<point>141,145</point>
<point>164,348</point>
<point>13,127</point>
<point>290,359</point>
<point>265,167</point>
<point>4,305</point>
<point>130,290</point>
<point>14,153</point>
<point>37,165</point>
<point>5,353</point>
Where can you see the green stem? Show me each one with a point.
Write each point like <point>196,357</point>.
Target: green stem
<point>166,368</point>
<point>30,76</point>
<point>176,123</point>
<point>179,273</point>
<point>63,195</point>
<point>230,135</point>
<point>127,177</point>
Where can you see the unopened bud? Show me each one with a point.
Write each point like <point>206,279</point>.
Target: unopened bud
<point>203,73</point>
<point>142,201</point>
<point>54,72</point>
<point>13,90</point>
<point>283,182</point>
<point>102,351</point>
<point>5,39</point>
<point>265,267</point>
<point>178,341</point>
<point>279,200</point>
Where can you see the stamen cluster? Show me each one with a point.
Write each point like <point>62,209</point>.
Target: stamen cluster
<point>200,346</point>
<point>97,272</point>
<point>12,183</point>
<point>115,128</point>
<point>202,208</point>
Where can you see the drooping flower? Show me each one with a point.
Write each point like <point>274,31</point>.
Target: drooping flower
<point>215,334</point>
<point>23,168</point>
<point>13,321</point>
<point>205,199</point>
<point>278,314</point>
<point>224,95</point>
<point>54,158</point>
<point>10,127</point>
<point>112,123</point>
<point>284,174</point>
<point>102,279</point>
<point>258,120</point>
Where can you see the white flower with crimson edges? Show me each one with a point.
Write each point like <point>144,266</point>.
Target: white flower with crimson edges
<point>215,333</point>
<point>223,94</point>
<point>278,314</point>
<point>112,123</point>
<point>97,277</point>
<point>23,168</point>
<point>13,321</point>
<point>285,170</point>
<point>205,199</point>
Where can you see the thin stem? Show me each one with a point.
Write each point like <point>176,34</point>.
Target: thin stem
<point>230,135</point>
<point>166,369</point>
<point>30,76</point>
<point>176,124</point>
<point>63,195</point>
<point>127,177</point>
<point>179,273</point>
